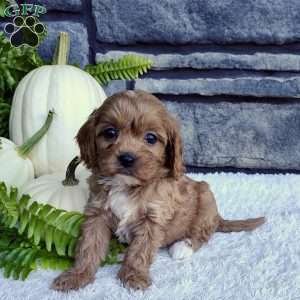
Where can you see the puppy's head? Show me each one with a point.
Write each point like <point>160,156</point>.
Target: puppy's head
<point>132,134</point>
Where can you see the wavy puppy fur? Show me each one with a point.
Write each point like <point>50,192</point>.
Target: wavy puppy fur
<point>138,191</point>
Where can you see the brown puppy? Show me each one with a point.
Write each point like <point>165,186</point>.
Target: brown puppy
<point>139,192</point>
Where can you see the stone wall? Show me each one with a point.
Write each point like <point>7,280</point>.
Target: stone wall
<point>229,69</point>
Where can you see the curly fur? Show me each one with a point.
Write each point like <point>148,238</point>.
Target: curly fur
<point>149,205</point>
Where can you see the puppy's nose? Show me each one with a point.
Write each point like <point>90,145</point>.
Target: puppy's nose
<point>127,159</point>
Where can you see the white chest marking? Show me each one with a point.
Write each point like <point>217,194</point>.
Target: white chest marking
<point>181,250</point>
<point>123,207</point>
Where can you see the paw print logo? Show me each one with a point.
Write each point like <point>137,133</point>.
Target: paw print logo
<point>24,31</point>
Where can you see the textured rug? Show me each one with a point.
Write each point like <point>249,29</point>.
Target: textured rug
<point>260,265</point>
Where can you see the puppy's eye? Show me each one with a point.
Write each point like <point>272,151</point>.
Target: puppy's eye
<point>110,133</point>
<point>150,138</point>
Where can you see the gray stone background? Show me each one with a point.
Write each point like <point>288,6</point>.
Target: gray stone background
<point>228,69</point>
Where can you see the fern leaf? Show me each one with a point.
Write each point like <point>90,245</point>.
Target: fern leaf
<point>42,236</point>
<point>60,241</point>
<point>46,210</point>
<point>37,219</point>
<point>8,206</point>
<point>127,67</point>
<point>4,115</point>
<point>39,232</point>
<point>71,247</point>
<point>23,203</point>
<point>49,237</point>
<point>18,262</point>
<point>15,63</point>
<point>50,260</point>
<point>55,233</point>
<point>24,219</point>
<point>71,223</point>
<point>57,228</point>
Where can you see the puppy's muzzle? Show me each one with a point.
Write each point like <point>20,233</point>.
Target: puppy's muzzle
<point>127,159</point>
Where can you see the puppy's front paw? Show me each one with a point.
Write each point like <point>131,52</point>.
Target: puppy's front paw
<point>71,280</point>
<point>134,279</point>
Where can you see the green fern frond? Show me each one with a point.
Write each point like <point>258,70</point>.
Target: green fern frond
<point>18,262</point>
<point>56,227</point>
<point>115,249</point>
<point>4,117</point>
<point>8,206</point>
<point>51,260</point>
<point>127,67</point>
<point>19,256</point>
<point>38,235</point>
<point>15,63</point>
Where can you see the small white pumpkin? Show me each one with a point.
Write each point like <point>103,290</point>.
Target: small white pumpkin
<point>71,92</point>
<point>16,169</point>
<point>61,190</point>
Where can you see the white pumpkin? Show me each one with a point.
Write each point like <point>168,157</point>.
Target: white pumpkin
<point>16,169</point>
<point>72,93</point>
<point>61,190</point>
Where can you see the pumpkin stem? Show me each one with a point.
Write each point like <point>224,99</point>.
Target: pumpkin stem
<point>24,149</point>
<point>61,53</point>
<point>70,174</point>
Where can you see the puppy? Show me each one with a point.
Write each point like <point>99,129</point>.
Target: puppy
<point>139,192</point>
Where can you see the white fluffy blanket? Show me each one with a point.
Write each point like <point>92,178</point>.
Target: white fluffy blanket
<point>260,265</point>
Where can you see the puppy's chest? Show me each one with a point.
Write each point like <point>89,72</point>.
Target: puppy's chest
<point>124,208</point>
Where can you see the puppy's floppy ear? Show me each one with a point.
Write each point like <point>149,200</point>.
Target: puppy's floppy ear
<point>86,139</point>
<point>174,160</point>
